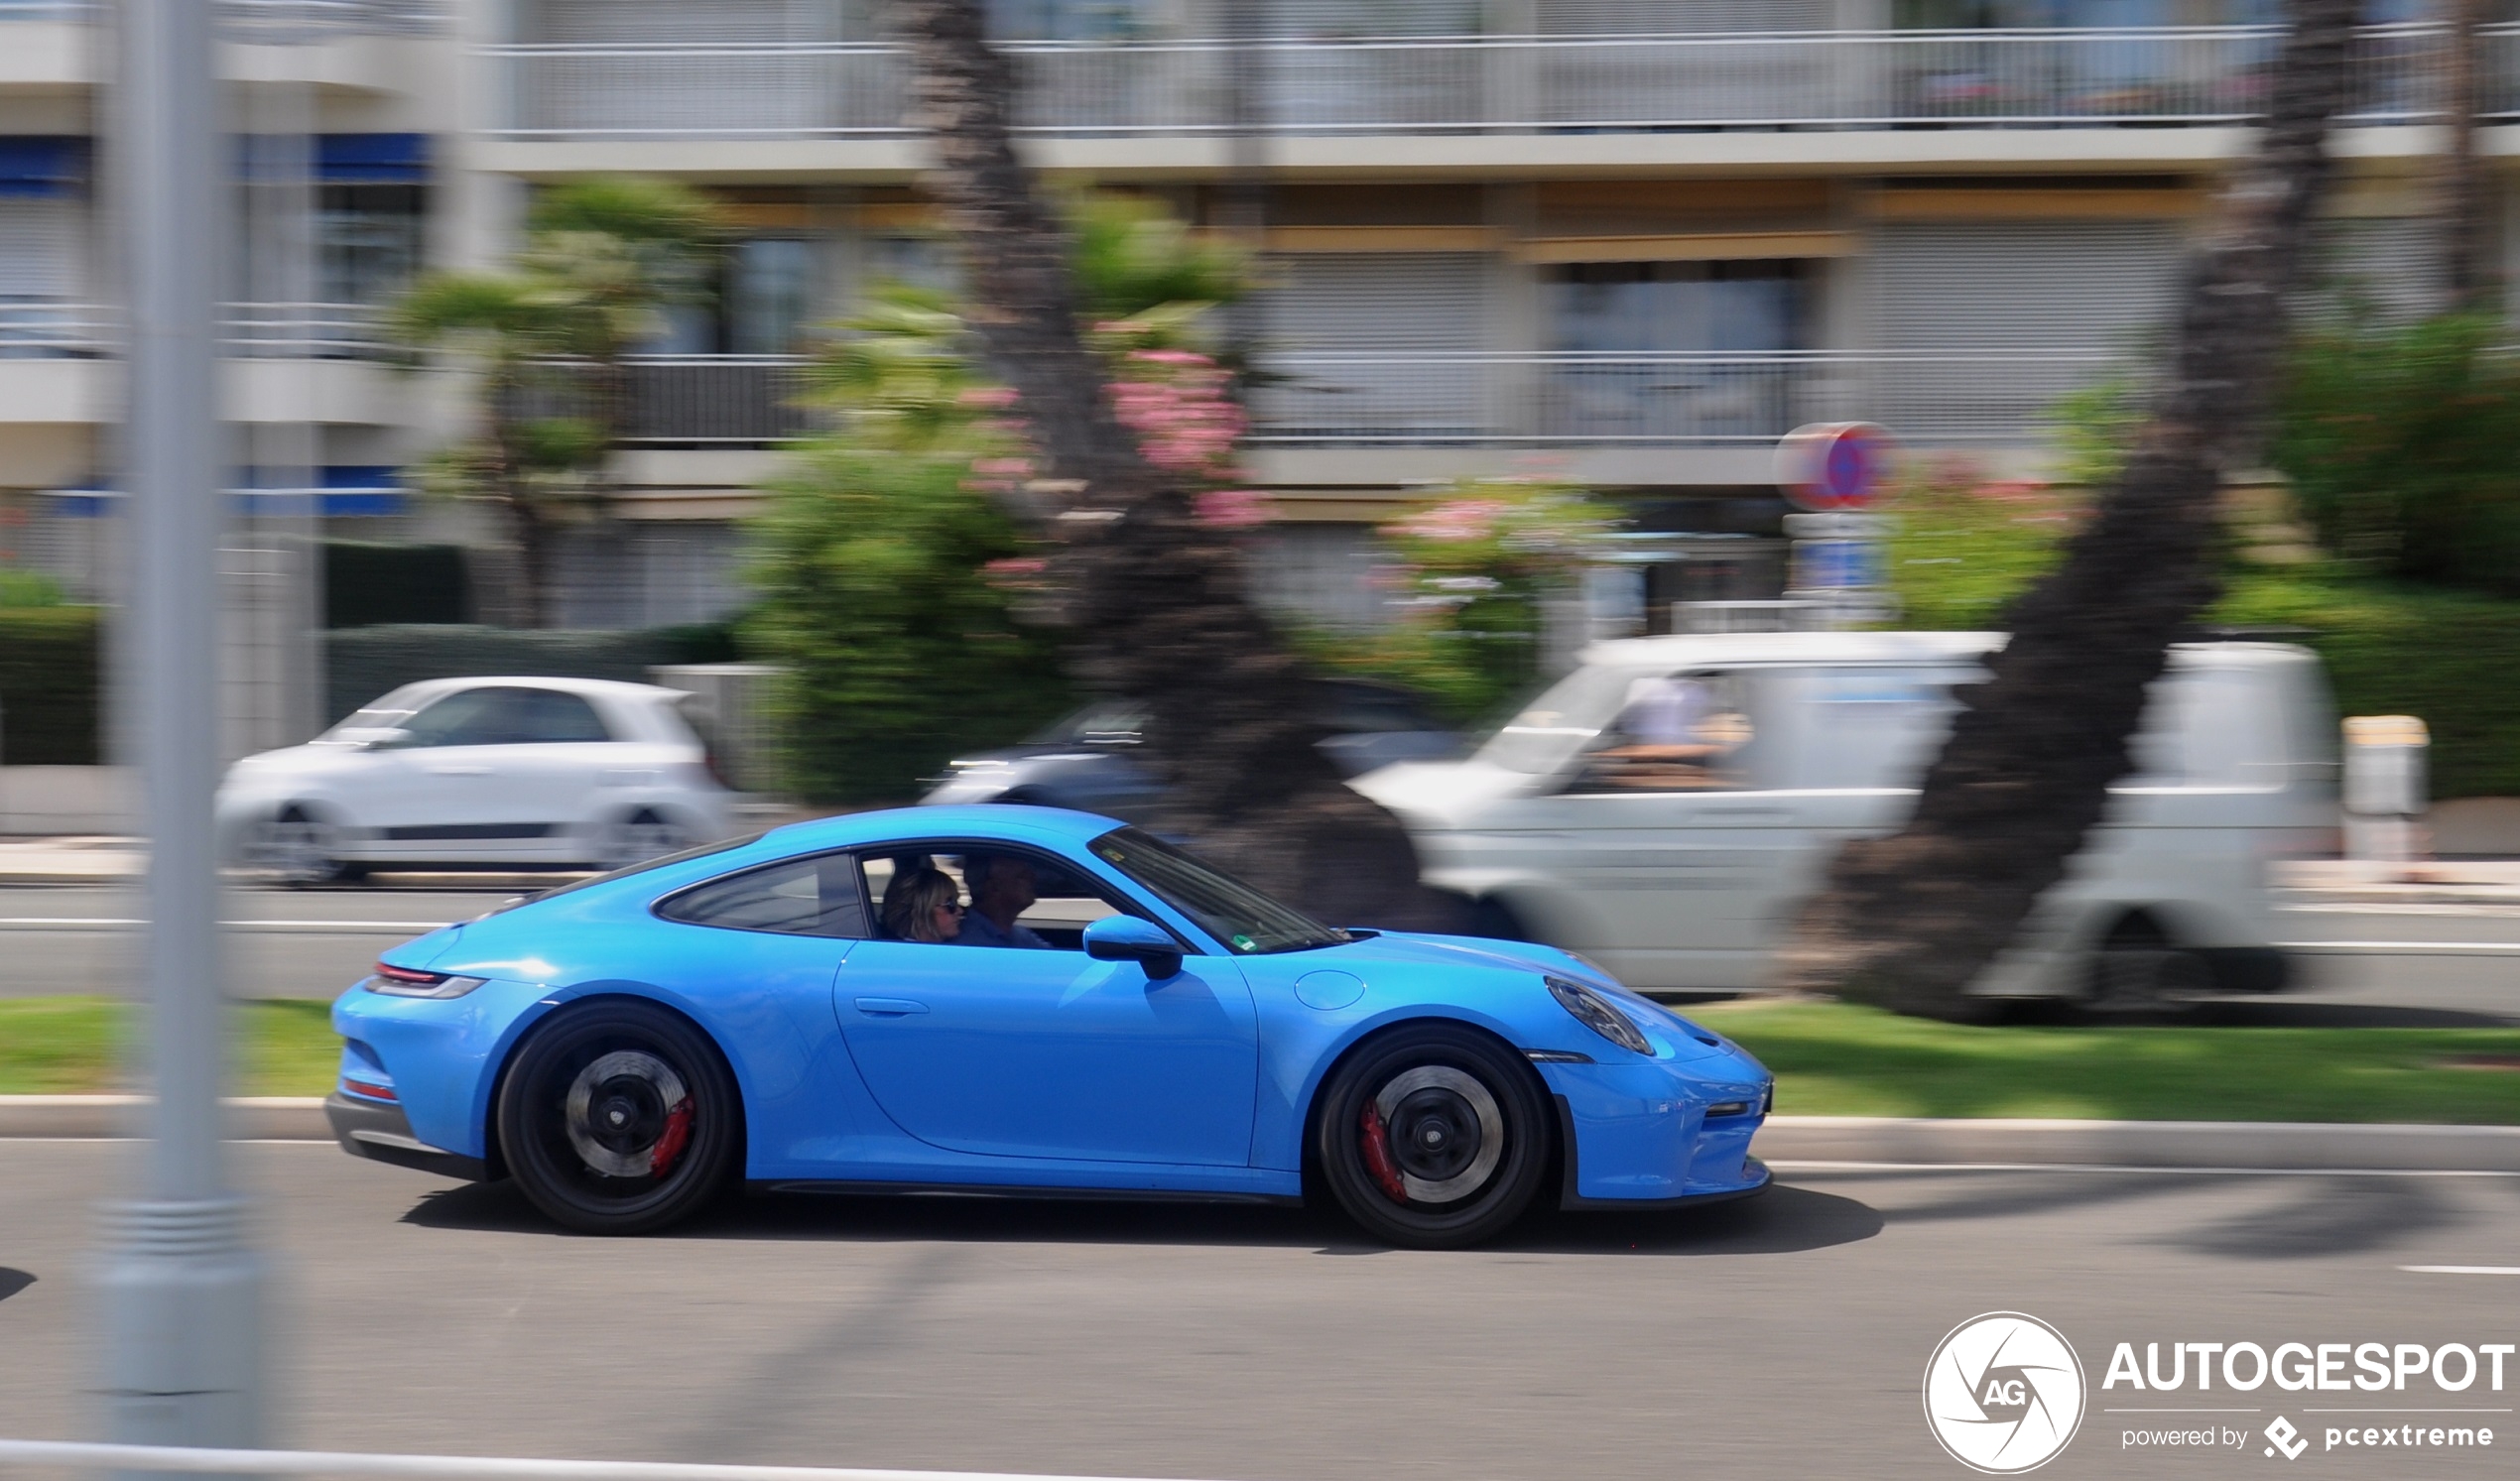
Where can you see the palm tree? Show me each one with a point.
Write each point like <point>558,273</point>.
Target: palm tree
<point>1155,602</point>
<point>546,341</point>
<point>1910,919</point>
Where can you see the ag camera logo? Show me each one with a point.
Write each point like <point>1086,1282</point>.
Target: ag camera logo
<point>2003,1392</point>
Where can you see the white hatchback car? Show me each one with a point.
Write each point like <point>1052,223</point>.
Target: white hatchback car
<point>470,772</point>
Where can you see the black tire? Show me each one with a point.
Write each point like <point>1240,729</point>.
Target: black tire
<point>299,846</point>
<point>1436,1185</point>
<point>2138,971</point>
<point>589,1102</point>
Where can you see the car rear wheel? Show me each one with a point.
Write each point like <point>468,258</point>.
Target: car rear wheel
<point>298,846</point>
<point>642,835</point>
<point>2140,972</point>
<point>1433,1136</point>
<point>619,1117</point>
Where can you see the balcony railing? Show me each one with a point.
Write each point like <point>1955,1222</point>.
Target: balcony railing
<point>49,331</point>
<point>302,331</point>
<point>715,400</point>
<point>1675,399</point>
<point>1838,79</point>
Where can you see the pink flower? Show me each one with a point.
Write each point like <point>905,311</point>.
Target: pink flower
<point>1003,467</point>
<point>987,396</point>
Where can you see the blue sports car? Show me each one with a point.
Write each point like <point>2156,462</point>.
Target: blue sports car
<point>1021,1000</point>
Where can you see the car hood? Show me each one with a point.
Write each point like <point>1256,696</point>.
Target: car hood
<point>1440,793</point>
<point>1525,961</point>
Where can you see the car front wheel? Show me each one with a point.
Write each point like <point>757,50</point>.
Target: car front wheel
<point>618,1117</point>
<point>1433,1136</point>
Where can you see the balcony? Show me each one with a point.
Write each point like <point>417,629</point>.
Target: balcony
<point>1470,85</point>
<point>715,401</point>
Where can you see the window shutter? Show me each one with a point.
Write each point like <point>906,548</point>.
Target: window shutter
<point>1988,325</point>
<point>38,252</point>
<point>1376,345</point>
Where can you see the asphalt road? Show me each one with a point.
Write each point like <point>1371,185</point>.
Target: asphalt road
<point>1782,1337</point>
<point>2441,963</point>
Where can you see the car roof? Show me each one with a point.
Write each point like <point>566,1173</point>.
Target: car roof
<point>1010,822</point>
<point>613,689</point>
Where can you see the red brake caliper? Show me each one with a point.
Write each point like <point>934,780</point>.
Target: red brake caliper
<point>675,1137</point>
<point>1377,1141</point>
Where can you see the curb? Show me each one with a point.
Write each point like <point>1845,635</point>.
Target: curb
<point>2279,1145</point>
<point>279,1118</point>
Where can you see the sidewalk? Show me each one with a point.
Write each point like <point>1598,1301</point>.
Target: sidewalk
<point>75,860</point>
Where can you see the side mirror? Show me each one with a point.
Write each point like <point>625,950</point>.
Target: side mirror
<point>1128,938</point>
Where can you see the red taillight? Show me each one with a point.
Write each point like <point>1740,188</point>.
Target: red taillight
<point>373,1092</point>
<point>406,975</point>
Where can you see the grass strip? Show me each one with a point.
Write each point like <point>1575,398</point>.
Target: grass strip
<point>1830,1059</point>
<point>78,1047</point>
<point>1841,1059</point>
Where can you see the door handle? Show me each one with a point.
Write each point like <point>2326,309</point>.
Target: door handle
<point>890,1007</point>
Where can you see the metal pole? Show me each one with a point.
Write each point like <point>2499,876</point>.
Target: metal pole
<point>180,1287</point>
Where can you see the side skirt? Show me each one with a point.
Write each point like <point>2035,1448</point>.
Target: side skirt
<point>863,1187</point>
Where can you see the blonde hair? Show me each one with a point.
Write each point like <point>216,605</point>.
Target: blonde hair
<point>911,902</point>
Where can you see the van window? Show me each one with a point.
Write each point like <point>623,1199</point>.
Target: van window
<point>1866,725</point>
<point>1691,731</point>
<point>1566,717</point>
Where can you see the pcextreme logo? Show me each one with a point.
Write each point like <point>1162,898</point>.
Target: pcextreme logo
<point>2003,1392</point>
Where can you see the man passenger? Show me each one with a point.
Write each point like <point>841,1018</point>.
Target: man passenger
<point>1003,888</point>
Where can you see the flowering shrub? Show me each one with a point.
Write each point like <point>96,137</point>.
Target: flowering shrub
<point>1963,545</point>
<point>1473,574</point>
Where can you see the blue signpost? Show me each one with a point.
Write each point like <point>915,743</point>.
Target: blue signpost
<point>1834,470</point>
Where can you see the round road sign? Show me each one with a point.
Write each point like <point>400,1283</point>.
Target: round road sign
<point>1832,465</point>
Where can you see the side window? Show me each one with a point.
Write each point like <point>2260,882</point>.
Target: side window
<point>1677,732</point>
<point>467,717</point>
<point>1870,725</point>
<point>1048,904</point>
<point>550,717</point>
<point>795,897</point>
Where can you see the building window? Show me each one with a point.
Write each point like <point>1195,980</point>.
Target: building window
<point>1676,351</point>
<point>368,239</point>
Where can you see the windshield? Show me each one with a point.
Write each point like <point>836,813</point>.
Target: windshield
<point>381,714</point>
<point>1565,719</point>
<point>1224,907</point>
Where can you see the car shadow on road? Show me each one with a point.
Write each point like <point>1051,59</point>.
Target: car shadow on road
<point>1783,1221</point>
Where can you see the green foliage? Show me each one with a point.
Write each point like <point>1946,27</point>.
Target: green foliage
<point>82,1047</point>
<point>2399,441</point>
<point>28,588</point>
<point>900,652</point>
<point>1963,546</point>
<point>49,672</point>
<point>2392,648</point>
<point>1130,256</point>
<point>1962,550</point>
<point>1473,571</point>
<point>1841,1059</point>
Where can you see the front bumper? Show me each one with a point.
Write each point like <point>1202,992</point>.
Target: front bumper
<point>374,1129</point>
<point>1637,1134</point>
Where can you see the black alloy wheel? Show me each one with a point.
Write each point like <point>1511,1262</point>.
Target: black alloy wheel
<point>618,1117</point>
<point>2139,972</point>
<point>1433,1136</point>
<point>298,847</point>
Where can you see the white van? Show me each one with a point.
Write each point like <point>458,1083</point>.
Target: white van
<point>1666,807</point>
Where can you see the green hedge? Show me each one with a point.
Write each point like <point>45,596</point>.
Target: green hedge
<point>50,665</point>
<point>369,582</point>
<point>2392,649</point>
<point>363,662</point>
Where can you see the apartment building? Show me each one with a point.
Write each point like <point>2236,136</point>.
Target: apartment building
<point>1626,242</point>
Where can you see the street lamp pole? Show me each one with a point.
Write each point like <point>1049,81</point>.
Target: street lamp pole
<point>181,1290</point>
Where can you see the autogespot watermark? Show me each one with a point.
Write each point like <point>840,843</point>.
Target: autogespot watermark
<point>2005,1392</point>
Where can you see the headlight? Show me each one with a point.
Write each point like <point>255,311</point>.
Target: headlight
<point>1598,1014</point>
<point>403,982</point>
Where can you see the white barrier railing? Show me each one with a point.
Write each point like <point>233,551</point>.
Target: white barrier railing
<point>301,332</point>
<point>1399,398</point>
<point>210,1462</point>
<point>1833,80</point>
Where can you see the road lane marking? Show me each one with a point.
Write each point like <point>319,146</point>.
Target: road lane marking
<point>2404,949</point>
<point>2462,1270</point>
<point>223,1462</point>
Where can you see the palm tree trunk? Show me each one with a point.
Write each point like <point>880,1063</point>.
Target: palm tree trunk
<point>1910,919</point>
<point>1157,602</point>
